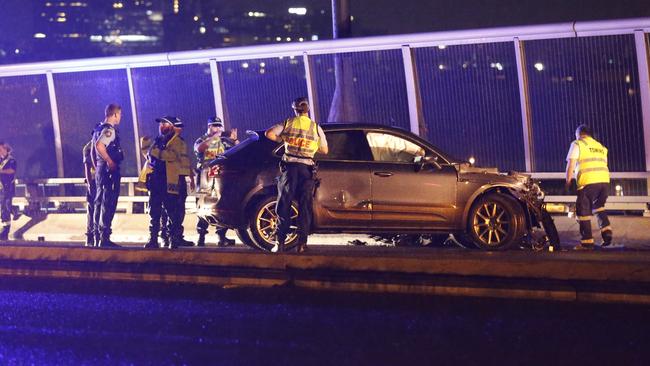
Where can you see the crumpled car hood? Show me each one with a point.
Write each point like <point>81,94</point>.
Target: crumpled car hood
<point>489,175</point>
<point>465,168</point>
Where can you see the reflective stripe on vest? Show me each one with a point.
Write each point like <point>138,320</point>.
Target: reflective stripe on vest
<point>592,163</point>
<point>300,137</point>
<point>213,150</point>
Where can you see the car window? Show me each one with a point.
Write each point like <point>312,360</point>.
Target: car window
<point>346,145</point>
<point>391,148</point>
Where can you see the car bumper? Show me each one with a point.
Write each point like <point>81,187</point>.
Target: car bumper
<point>208,210</point>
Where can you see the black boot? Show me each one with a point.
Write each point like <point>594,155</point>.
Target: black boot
<point>184,243</point>
<point>4,233</point>
<point>301,247</point>
<point>165,240</point>
<point>201,241</point>
<point>223,240</point>
<point>279,246</point>
<point>152,243</point>
<point>106,242</point>
<point>90,240</point>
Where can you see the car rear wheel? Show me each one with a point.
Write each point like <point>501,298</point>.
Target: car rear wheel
<point>263,223</point>
<point>495,222</point>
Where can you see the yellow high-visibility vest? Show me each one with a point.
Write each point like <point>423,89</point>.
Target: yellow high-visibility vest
<point>592,162</point>
<point>300,137</point>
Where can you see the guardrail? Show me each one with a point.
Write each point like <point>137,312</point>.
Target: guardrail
<point>35,195</point>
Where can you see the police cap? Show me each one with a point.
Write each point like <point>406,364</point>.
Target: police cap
<point>175,121</point>
<point>215,121</point>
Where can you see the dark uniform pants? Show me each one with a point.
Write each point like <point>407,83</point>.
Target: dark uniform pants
<point>202,228</point>
<point>296,182</point>
<point>591,199</point>
<point>5,214</point>
<point>108,191</point>
<point>165,222</point>
<point>159,198</point>
<point>91,192</point>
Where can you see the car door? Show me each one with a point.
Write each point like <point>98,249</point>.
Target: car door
<point>404,196</point>
<point>342,198</point>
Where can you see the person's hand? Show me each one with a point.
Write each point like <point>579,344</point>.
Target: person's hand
<point>567,185</point>
<point>233,134</point>
<point>111,166</point>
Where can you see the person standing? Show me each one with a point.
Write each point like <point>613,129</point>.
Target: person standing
<point>107,154</point>
<point>7,188</point>
<point>91,191</point>
<point>587,160</point>
<point>170,165</point>
<point>185,174</point>
<point>302,139</point>
<point>207,148</point>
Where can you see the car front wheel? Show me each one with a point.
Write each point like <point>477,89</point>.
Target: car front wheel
<point>495,222</point>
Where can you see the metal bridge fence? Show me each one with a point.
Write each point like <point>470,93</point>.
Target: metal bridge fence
<point>508,97</point>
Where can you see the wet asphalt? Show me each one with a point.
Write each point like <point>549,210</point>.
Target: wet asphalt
<point>66,322</point>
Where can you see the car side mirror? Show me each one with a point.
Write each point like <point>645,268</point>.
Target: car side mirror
<point>422,161</point>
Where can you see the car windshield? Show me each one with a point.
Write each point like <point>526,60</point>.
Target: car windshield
<point>251,137</point>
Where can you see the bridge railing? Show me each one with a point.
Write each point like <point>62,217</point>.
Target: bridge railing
<point>68,195</point>
<point>508,97</point>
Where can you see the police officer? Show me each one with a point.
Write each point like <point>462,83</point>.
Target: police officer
<point>588,159</point>
<point>207,148</point>
<point>107,154</point>
<point>7,188</point>
<point>302,138</point>
<point>91,191</point>
<point>166,182</point>
<point>185,175</point>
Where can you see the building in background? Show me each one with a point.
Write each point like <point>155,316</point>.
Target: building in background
<point>73,29</point>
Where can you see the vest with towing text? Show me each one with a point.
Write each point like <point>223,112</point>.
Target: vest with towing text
<point>592,162</point>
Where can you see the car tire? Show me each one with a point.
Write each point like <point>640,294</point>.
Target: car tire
<point>242,234</point>
<point>495,222</point>
<point>262,223</point>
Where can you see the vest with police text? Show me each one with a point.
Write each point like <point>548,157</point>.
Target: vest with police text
<point>592,162</point>
<point>300,137</point>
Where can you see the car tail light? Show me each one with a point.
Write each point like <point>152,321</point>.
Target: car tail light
<point>214,171</point>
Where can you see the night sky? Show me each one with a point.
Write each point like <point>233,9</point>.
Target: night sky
<point>379,17</point>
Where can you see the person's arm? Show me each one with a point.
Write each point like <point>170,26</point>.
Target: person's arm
<point>322,142</point>
<point>192,182</point>
<point>571,162</point>
<point>171,152</point>
<point>570,170</point>
<point>8,170</point>
<point>101,150</point>
<point>145,145</point>
<point>88,175</point>
<point>233,136</point>
<point>274,133</point>
<point>201,146</point>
